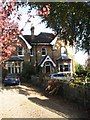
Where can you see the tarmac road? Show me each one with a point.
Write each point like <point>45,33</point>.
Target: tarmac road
<point>24,101</point>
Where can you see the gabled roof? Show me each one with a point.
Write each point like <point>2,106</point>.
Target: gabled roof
<point>44,38</point>
<point>40,39</point>
<point>63,57</point>
<point>46,59</point>
<point>27,43</point>
<point>28,38</point>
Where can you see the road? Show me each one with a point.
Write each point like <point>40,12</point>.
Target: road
<point>24,101</point>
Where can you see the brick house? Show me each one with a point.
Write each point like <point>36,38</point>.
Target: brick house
<point>45,51</point>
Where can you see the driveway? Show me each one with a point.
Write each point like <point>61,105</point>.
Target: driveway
<point>24,101</point>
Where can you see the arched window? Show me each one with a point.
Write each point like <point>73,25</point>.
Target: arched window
<point>63,50</point>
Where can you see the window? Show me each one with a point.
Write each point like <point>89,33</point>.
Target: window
<point>20,50</point>
<point>63,50</point>
<point>55,75</point>
<point>43,51</point>
<point>64,68</point>
<point>14,67</point>
<point>61,68</point>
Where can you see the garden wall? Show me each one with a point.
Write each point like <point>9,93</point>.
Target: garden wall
<point>79,94</point>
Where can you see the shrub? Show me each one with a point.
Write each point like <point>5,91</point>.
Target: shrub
<point>4,73</point>
<point>54,87</point>
<point>27,72</point>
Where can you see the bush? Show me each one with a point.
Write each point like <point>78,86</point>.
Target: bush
<point>4,73</point>
<point>27,72</point>
<point>54,87</point>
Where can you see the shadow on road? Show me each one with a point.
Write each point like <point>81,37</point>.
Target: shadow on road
<point>57,105</point>
<point>63,109</point>
<point>23,89</point>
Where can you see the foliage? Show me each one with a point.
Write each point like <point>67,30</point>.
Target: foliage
<point>54,87</point>
<point>69,19</point>
<point>79,67</point>
<point>4,73</point>
<point>28,71</point>
<point>9,26</point>
<point>9,29</point>
<point>80,70</point>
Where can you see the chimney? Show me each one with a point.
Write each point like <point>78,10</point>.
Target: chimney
<point>32,32</point>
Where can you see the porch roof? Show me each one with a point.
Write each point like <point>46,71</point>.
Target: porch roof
<point>63,57</point>
<point>46,59</point>
<point>16,58</point>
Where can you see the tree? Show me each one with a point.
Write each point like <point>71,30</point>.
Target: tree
<point>80,70</point>
<point>9,29</point>
<point>69,19</point>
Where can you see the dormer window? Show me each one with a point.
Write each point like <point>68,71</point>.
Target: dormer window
<point>43,51</point>
<point>20,50</point>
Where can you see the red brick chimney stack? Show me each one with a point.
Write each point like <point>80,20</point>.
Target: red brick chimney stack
<point>32,32</point>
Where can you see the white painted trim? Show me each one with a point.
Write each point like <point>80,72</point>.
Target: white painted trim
<point>48,59</point>
<point>28,45</point>
<point>54,41</point>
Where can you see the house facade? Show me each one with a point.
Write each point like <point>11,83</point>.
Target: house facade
<point>15,62</point>
<point>45,51</point>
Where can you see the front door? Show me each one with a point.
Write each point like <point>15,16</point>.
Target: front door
<point>48,68</point>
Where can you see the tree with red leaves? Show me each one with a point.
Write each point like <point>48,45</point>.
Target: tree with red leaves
<point>9,29</point>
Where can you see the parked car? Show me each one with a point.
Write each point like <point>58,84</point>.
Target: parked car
<point>11,80</point>
<point>61,76</point>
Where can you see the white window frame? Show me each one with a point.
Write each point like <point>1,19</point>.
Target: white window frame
<point>69,67</point>
<point>13,67</point>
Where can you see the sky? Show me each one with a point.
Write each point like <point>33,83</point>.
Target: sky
<point>36,22</point>
<point>80,57</point>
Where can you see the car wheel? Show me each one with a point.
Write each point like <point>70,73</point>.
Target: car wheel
<point>5,85</point>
